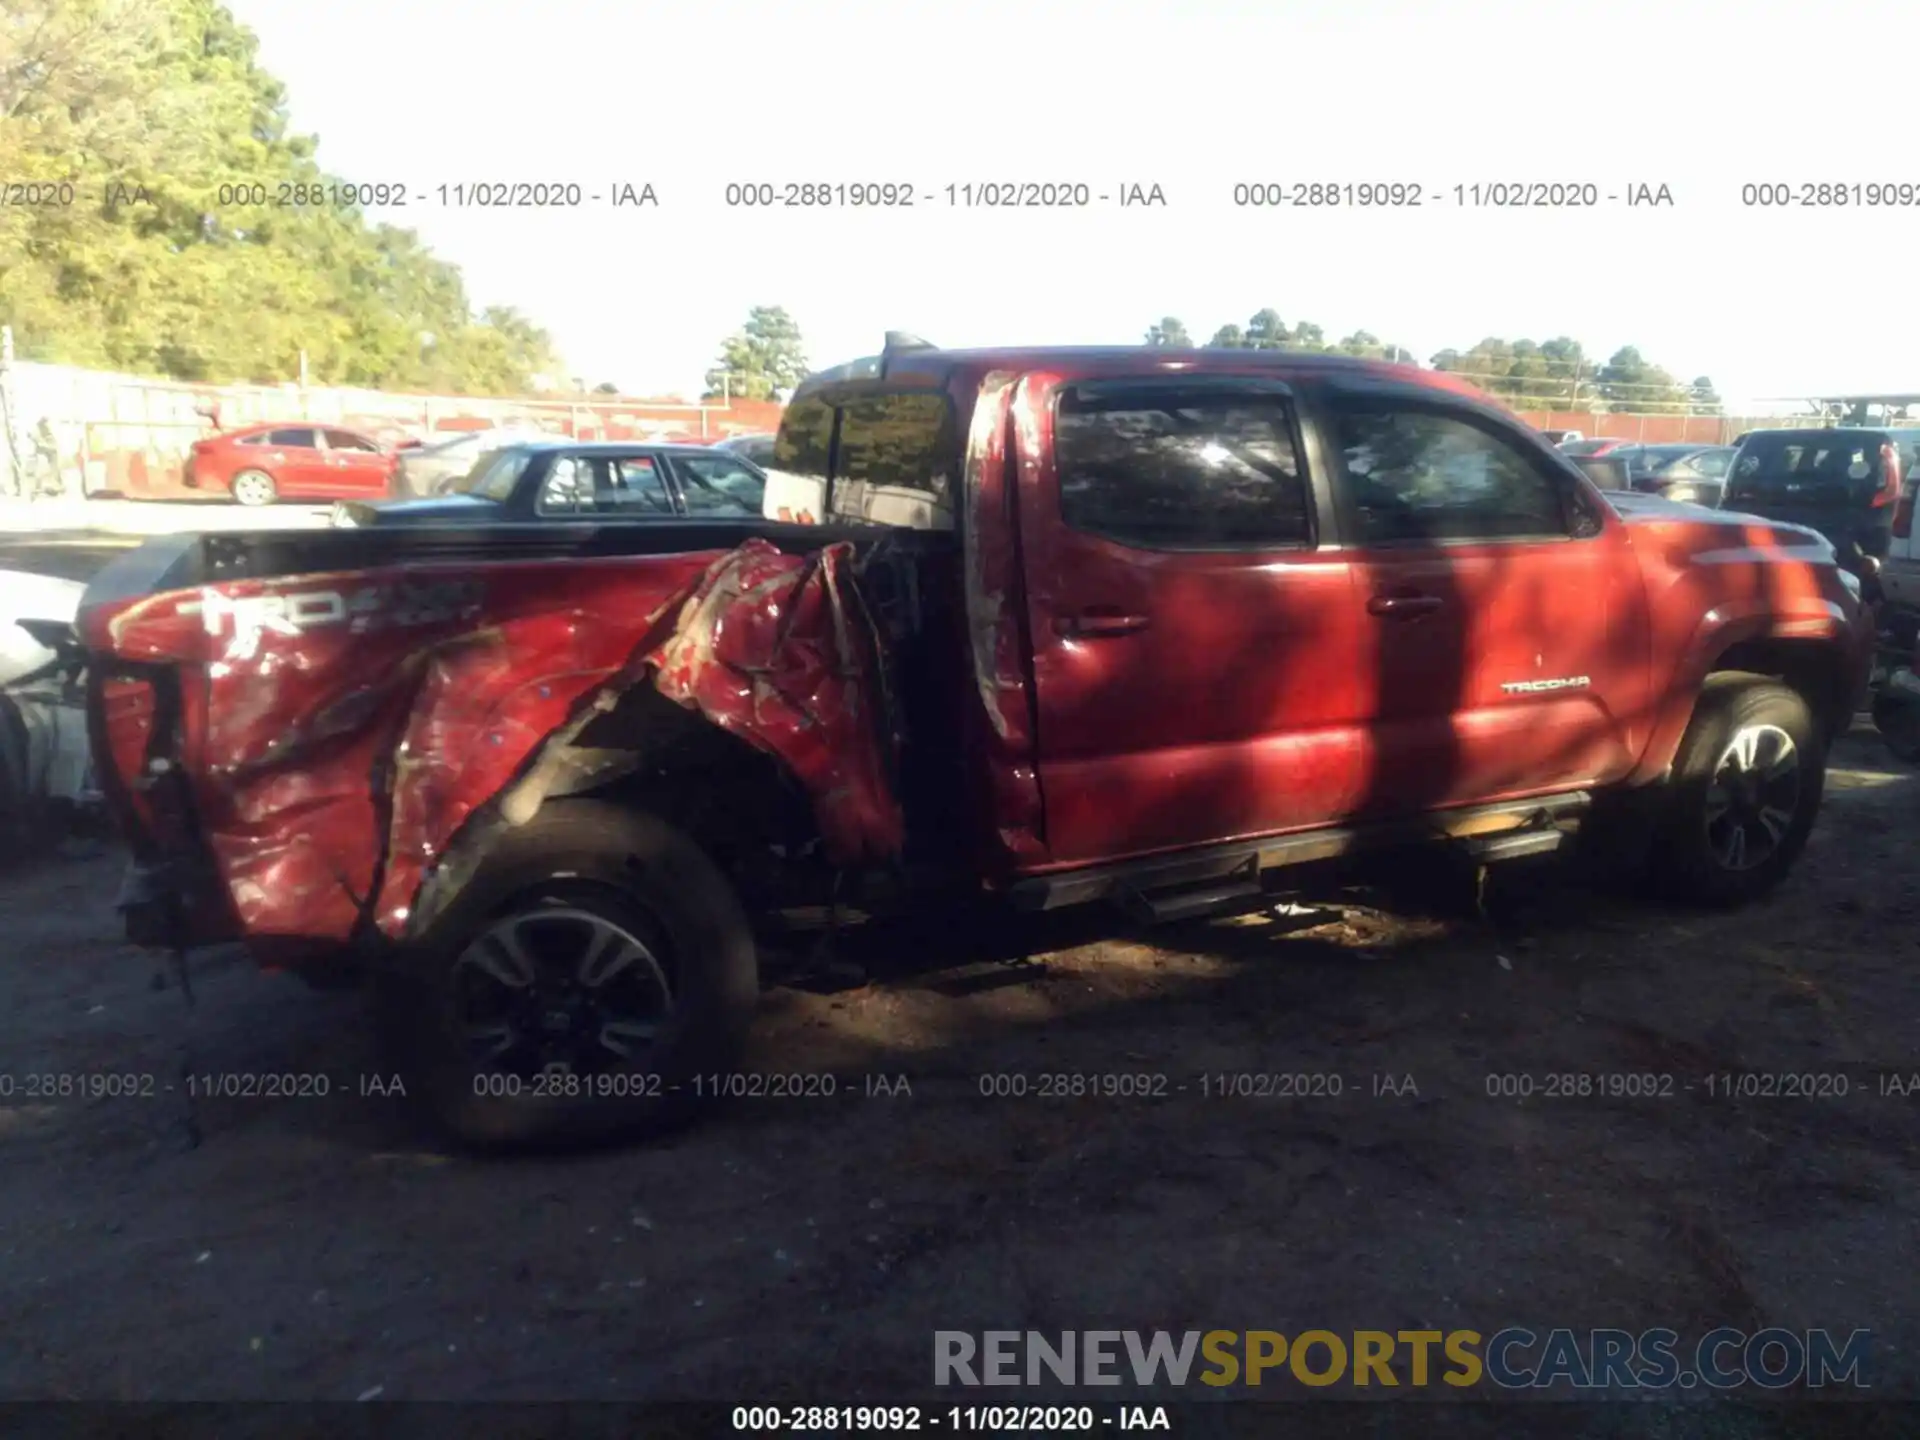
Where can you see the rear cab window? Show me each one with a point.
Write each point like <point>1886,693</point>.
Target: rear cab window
<point>880,456</point>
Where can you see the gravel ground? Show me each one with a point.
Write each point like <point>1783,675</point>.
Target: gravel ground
<point>320,1247</point>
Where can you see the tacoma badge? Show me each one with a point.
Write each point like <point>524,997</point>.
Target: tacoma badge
<point>1531,687</point>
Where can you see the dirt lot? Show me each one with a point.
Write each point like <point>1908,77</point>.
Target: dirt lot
<point>319,1248</point>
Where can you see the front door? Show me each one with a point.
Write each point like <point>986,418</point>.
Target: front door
<point>1191,641</point>
<point>1504,643</point>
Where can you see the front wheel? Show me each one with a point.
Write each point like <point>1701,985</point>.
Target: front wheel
<point>590,980</point>
<point>1746,787</point>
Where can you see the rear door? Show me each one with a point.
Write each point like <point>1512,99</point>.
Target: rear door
<point>359,468</point>
<point>1503,644</point>
<point>1193,627</point>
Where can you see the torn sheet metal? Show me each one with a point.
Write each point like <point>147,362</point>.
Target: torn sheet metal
<point>338,731</point>
<point>780,650</point>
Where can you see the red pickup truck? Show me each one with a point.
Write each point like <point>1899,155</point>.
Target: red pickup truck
<point>1045,626</point>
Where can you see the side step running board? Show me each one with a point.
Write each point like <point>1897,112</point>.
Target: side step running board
<point>1190,882</point>
<point>1157,909</point>
<point>1488,848</point>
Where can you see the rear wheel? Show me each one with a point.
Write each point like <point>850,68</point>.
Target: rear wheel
<point>1747,785</point>
<point>595,966</point>
<point>255,487</point>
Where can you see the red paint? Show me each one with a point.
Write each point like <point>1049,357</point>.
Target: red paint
<point>332,762</point>
<point>776,649</point>
<point>283,730</point>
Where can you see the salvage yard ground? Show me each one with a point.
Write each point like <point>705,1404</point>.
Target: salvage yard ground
<point>809,1247</point>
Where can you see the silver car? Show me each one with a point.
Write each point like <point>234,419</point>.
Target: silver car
<point>754,449</point>
<point>426,470</point>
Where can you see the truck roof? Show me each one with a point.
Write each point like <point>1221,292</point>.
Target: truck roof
<point>933,363</point>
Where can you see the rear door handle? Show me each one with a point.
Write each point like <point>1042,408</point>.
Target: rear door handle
<point>1099,622</point>
<point>1400,607</point>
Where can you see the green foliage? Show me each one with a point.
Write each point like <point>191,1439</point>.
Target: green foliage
<point>1171,334</point>
<point>158,114</point>
<point>763,360</point>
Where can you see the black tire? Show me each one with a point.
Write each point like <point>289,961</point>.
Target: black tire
<point>1897,718</point>
<point>258,488</point>
<point>1695,858</point>
<point>630,873</point>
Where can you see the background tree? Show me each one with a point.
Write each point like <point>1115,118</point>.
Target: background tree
<point>1307,336</point>
<point>763,360</point>
<point>1702,398</point>
<point>1169,333</point>
<point>159,116</point>
<point>1629,382</point>
<point>1267,331</point>
<point>1228,337</point>
<point>1548,375</point>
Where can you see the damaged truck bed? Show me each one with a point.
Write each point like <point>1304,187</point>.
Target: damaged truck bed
<point>1043,627</point>
<point>304,751</point>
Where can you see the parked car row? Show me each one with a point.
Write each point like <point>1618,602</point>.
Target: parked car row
<point>261,464</point>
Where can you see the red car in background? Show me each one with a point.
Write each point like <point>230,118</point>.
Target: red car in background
<point>260,464</point>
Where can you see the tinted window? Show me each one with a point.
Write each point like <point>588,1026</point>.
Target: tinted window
<point>896,442</point>
<point>760,452</point>
<point>805,442</point>
<point>293,439</point>
<point>1170,467</point>
<point>718,484</point>
<point>1414,475</point>
<point>259,439</point>
<point>1806,464</point>
<point>347,440</point>
<point>1711,464</point>
<point>1583,447</point>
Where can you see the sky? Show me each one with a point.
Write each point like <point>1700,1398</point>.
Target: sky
<point>1194,96</point>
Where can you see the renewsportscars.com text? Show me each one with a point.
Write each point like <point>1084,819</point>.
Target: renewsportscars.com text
<point>1515,1358</point>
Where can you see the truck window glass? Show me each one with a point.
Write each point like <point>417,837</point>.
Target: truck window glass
<point>896,442</point>
<point>1163,468</point>
<point>805,442</point>
<point>1414,475</point>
